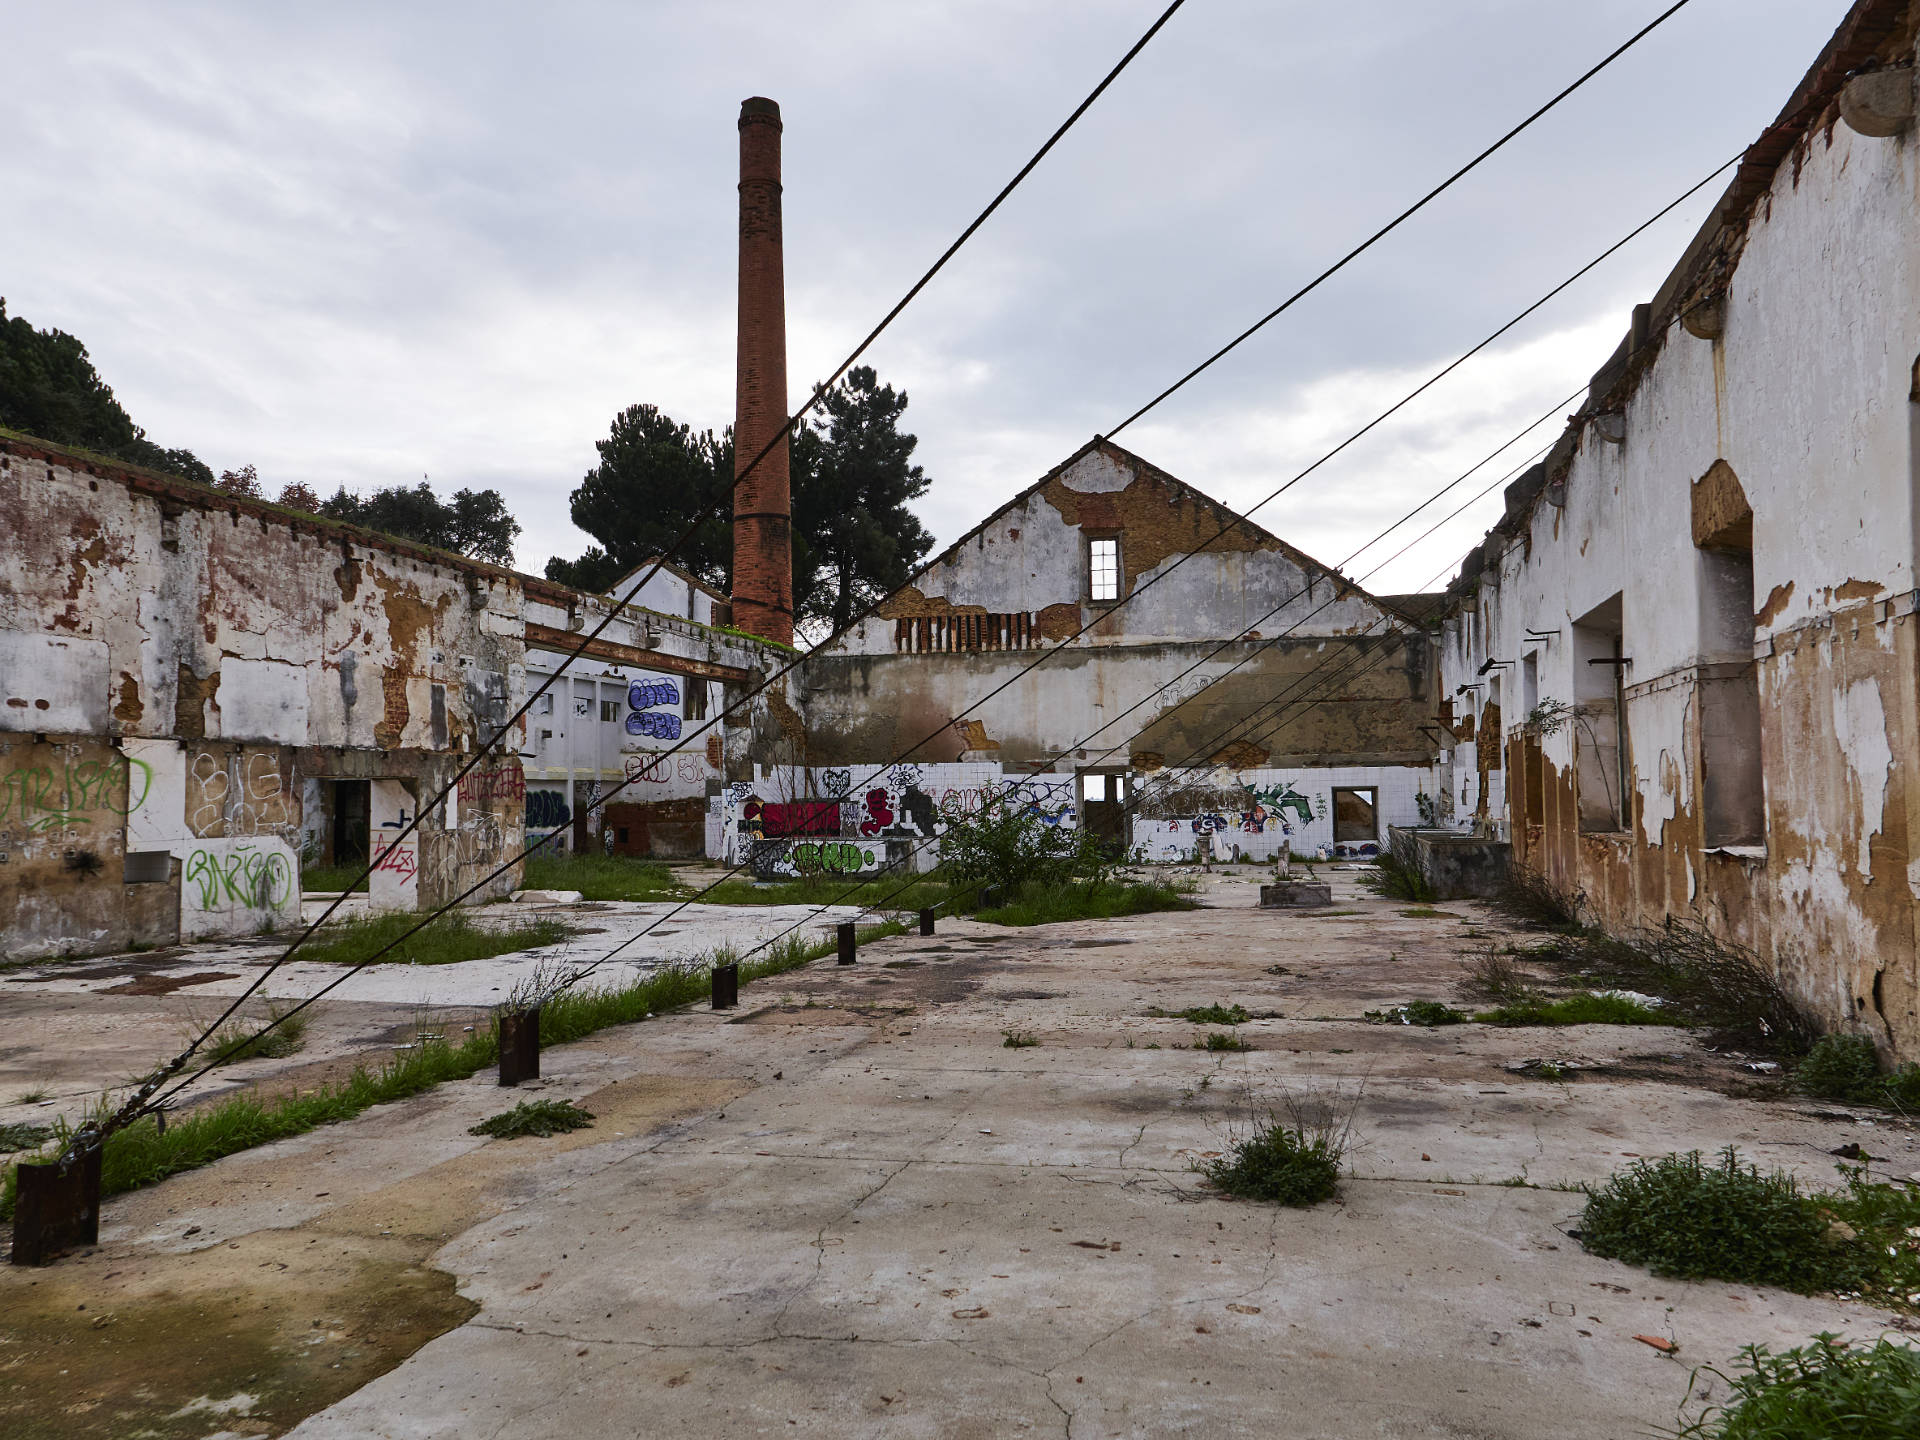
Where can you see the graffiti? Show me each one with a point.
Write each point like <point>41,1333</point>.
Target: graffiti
<point>838,783</point>
<point>904,777</point>
<point>1050,802</point>
<point>399,823</point>
<point>657,724</point>
<point>400,859</point>
<point>642,694</point>
<point>649,768</point>
<point>40,799</point>
<point>582,708</point>
<point>1209,824</point>
<point>918,808</point>
<point>1280,798</point>
<point>831,857</point>
<point>879,813</point>
<point>547,809</point>
<point>255,879</point>
<point>503,782</point>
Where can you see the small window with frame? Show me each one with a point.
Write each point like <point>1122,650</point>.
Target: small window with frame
<point>1103,568</point>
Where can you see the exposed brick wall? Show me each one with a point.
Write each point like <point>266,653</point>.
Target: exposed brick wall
<point>762,505</point>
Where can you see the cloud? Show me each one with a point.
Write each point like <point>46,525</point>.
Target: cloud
<point>357,244</point>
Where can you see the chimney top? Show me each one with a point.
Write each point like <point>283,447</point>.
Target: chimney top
<point>758,110</point>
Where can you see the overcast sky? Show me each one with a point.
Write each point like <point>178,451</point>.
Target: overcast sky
<point>364,243</point>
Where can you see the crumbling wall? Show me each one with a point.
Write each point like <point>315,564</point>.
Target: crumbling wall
<point>1761,430</point>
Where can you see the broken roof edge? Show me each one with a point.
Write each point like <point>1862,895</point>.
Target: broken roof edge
<point>1705,263</point>
<point>679,572</point>
<point>1142,466</point>
<point>211,498</point>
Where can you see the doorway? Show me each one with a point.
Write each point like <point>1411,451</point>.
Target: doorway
<point>1103,805</point>
<point>352,822</point>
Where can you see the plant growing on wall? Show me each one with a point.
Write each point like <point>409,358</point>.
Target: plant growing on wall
<point>1548,718</point>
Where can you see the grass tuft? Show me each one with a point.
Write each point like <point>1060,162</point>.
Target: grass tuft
<point>1816,1391</point>
<point>142,1154</point>
<point>333,879</point>
<point>1050,903</point>
<point>1582,1008</point>
<point>1494,974</point>
<point>1220,1040</point>
<point>1427,1013</point>
<point>244,1039</point>
<point>1019,1039</point>
<point>1291,1160</point>
<point>1845,1067</point>
<point>539,1118</point>
<point>1209,1014</point>
<point>1396,879</point>
<point>452,938</point>
<point>600,877</point>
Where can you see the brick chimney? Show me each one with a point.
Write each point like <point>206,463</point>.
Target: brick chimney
<point>763,503</point>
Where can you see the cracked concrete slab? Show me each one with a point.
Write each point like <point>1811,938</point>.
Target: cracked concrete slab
<point>849,1209</point>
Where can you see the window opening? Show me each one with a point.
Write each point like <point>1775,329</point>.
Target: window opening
<point>610,712</point>
<point>1601,757</point>
<point>1104,569</point>
<point>1732,772</point>
<point>1355,818</point>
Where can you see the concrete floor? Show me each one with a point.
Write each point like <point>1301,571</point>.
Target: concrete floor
<point>849,1209</point>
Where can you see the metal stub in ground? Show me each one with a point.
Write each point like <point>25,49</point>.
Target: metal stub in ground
<point>926,922</point>
<point>846,942</point>
<point>56,1208</point>
<point>726,986</point>
<point>519,1045</point>
<point>1296,895</point>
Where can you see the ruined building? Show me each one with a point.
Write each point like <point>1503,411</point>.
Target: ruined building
<point>1681,670</point>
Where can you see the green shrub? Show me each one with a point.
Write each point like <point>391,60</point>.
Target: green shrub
<point>1052,902</point>
<point>891,891</point>
<point>539,1118</point>
<point>1281,1164</point>
<point>1818,1391</point>
<point>1004,845</point>
<point>1219,1040</point>
<point>23,1136</point>
<point>1846,1068</point>
<point>249,1039</point>
<point>1018,1040</point>
<point>1583,1008</point>
<point>333,879</point>
<point>1682,1217</point>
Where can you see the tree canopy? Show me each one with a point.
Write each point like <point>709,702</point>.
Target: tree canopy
<point>475,522</point>
<point>854,538</point>
<point>50,390</point>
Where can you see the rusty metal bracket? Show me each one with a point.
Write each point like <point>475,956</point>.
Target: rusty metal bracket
<point>519,1045</point>
<point>56,1207</point>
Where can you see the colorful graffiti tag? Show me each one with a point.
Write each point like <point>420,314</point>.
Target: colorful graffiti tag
<point>645,694</point>
<point>654,724</point>
<point>244,876</point>
<point>41,797</point>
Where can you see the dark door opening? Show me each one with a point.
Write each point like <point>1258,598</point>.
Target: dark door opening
<point>1103,805</point>
<point>1355,821</point>
<point>352,820</point>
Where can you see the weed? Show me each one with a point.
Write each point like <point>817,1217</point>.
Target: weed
<point>539,1118</point>
<point>1532,897</point>
<point>1427,1013</point>
<point>1683,1217</point>
<point>23,1136</point>
<point>142,1154</point>
<point>244,1039</point>
<point>1584,1007</point>
<point>1293,1160</point>
<point>1845,1067</point>
<point>600,877</point>
<point>1551,1070</point>
<point>1208,1014</point>
<point>1049,902</point>
<point>1219,1040</point>
<point>1818,1390</point>
<point>1516,1182</point>
<point>333,879</point>
<point>447,941</point>
<point>1425,912</point>
<point>922,894</point>
<point>1018,1040</point>
<point>31,1097</point>
<point>1396,879</point>
<point>1495,975</point>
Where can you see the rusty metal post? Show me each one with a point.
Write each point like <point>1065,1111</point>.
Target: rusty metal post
<point>56,1208</point>
<point>846,942</point>
<point>726,986</point>
<point>519,1045</point>
<point>926,922</point>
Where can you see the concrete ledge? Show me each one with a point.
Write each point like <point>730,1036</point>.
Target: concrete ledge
<point>1296,895</point>
<point>1458,866</point>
